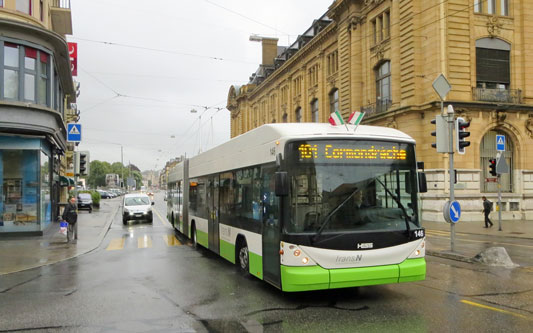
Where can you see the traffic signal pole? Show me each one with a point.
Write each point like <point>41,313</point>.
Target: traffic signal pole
<point>451,171</point>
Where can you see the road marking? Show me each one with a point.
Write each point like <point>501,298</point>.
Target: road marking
<point>144,242</point>
<point>161,218</point>
<point>116,244</point>
<point>171,240</point>
<point>495,309</point>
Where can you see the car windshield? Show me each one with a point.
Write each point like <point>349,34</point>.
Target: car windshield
<point>137,201</point>
<point>349,185</point>
<point>84,196</point>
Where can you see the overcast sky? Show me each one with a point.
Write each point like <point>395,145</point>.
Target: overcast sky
<point>143,69</point>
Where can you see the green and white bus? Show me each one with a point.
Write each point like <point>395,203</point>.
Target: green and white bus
<point>307,206</point>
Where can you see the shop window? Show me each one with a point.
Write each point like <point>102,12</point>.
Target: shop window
<point>19,184</point>
<point>46,203</point>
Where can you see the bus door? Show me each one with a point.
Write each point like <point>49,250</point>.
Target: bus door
<point>212,210</point>
<point>271,228</point>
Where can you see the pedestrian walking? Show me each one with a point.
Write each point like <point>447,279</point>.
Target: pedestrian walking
<point>487,207</point>
<point>70,214</point>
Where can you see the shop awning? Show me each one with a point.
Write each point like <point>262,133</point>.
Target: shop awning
<point>66,181</point>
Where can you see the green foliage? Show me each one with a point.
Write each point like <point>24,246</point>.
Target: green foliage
<point>98,171</point>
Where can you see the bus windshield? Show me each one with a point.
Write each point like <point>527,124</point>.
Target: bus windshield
<point>351,185</point>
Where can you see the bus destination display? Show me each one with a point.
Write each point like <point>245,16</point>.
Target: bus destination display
<point>343,151</point>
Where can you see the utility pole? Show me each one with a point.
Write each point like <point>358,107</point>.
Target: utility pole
<point>122,167</point>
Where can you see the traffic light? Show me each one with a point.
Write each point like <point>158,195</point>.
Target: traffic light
<point>441,134</point>
<point>492,166</point>
<point>460,132</point>
<point>84,163</point>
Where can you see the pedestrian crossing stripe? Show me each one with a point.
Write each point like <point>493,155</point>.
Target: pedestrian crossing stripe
<point>143,242</point>
<point>74,130</point>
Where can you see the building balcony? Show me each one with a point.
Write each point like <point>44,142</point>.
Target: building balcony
<point>513,96</point>
<point>380,106</point>
<point>61,17</point>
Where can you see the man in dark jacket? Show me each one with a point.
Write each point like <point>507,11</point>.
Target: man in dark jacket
<point>70,214</point>
<point>487,207</point>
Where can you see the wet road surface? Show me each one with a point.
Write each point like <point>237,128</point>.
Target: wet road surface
<point>145,278</point>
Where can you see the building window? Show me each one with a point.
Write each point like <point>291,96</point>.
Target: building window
<point>381,27</point>
<point>488,151</point>
<point>297,84</point>
<point>334,101</point>
<point>24,6</point>
<point>11,71</point>
<point>298,115</point>
<point>314,111</point>
<point>41,10</point>
<point>492,7</point>
<point>284,119</point>
<point>493,70</point>
<point>27,75</point>
<point>284,95</point>
<point>333,62</point>
<point>313,76</point>
<point>383,88</point>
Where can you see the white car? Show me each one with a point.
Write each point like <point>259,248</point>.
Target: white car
<point>137,206</point>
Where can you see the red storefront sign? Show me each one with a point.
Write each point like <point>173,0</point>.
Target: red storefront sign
<point>73,54</point>
<point>491,180</point>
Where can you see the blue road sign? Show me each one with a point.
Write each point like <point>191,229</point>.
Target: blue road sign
<point>500,142</point>
<point>73,132</point>
<point>455,211</point>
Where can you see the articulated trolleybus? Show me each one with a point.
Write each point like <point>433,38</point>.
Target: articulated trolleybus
<point>307,206</point>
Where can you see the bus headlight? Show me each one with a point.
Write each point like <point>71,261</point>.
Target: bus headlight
<point>297,253</point>
<point>420,250</point>
<point>305,260</point>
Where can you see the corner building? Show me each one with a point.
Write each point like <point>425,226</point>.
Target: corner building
<point>382,56</point>
<point>36,90</point>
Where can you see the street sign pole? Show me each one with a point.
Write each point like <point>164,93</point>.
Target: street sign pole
<point>499,203</point>
<point>451,171</point>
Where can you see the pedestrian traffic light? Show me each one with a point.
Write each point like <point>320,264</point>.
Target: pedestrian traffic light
<point>492,166</point>
<point>84,163</point>
<point>441,134</point>
<point>460,132</point>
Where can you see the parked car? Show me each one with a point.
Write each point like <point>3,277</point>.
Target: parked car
<point>85,201</point>
<point>137,206</point>
<point>104,194</point>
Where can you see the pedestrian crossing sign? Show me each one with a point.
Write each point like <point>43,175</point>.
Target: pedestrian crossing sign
<point>500,142</point>
<point>73,132</point>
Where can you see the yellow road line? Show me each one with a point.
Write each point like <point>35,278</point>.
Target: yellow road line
<point>144,242</point>
<point>163,220</point>
<point>116,244</point>
<point>495,309</point>
<point>171,240</point>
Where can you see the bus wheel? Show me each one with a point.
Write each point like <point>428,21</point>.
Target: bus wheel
<point>194,239</point>
<point>244,258</point>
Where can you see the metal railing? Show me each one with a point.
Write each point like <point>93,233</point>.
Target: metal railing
<point>61,4</point>
<point>497,95</point>
<point>380,106</point>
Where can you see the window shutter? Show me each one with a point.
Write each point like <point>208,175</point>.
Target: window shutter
<point>492,65</point>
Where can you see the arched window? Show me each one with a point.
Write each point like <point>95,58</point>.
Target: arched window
<point>334,101</point>
<point>383,93</point>
<point>488,151</point>
<point>298,115</point>
<point>314,111</point>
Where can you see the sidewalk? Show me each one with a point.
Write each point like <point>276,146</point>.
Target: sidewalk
<point>517,230</point>
<point>21,253</point>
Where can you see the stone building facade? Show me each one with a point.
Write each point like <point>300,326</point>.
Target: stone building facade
<point>36,100</point>
<point>382,56</point>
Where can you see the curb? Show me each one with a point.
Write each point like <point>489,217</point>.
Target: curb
<point>450,255</point>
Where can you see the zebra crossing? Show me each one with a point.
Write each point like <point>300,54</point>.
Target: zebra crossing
<point>142,242</point>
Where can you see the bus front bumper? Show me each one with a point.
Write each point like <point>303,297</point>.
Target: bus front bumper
<point>302,278</point>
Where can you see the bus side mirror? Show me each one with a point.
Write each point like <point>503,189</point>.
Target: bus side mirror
<point>282,184</point>
<point>422,182</point>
